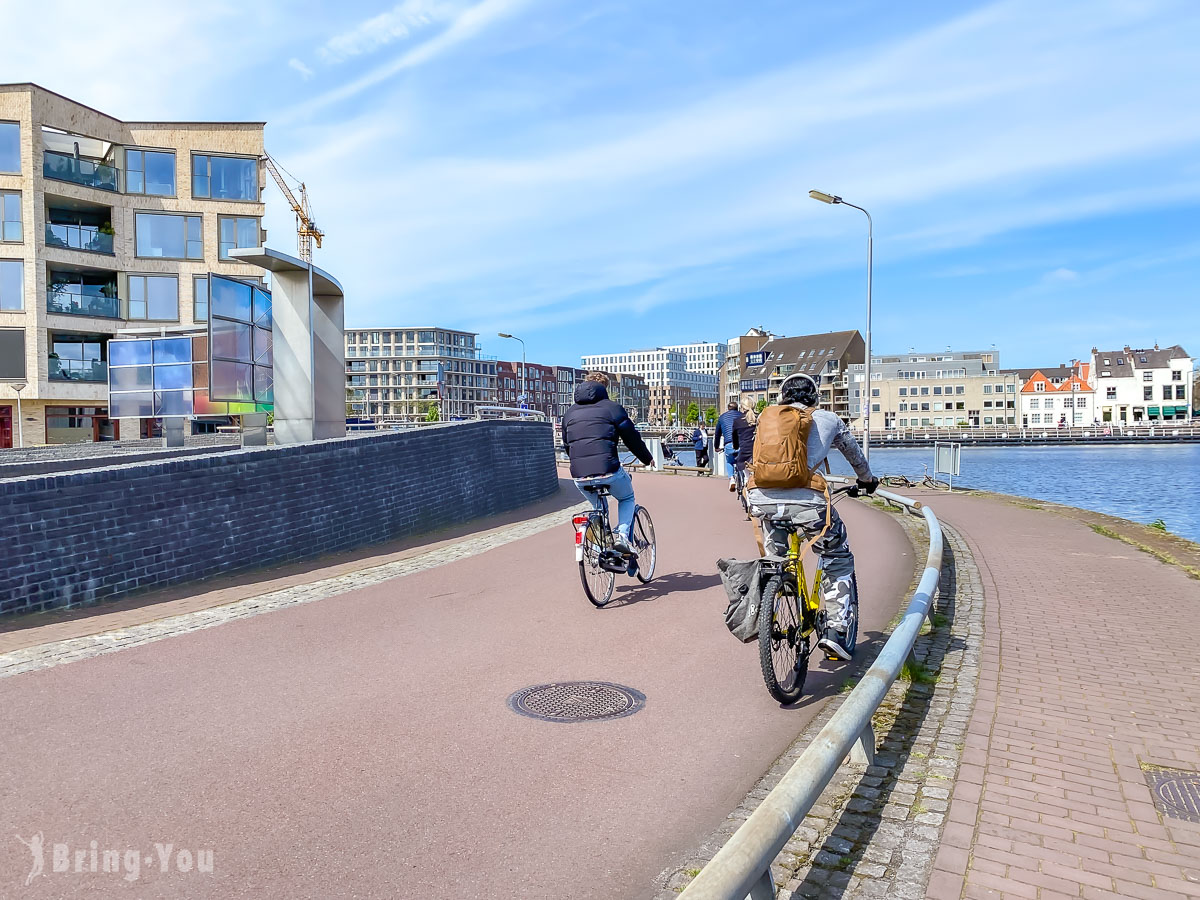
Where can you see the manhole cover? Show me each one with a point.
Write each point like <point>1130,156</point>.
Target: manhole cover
<point>1176,792</point>
<point>576,701</point>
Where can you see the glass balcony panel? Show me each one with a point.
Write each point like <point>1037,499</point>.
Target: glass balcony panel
<point>82,300</point>
<point>78,237</point>
<point>129,353</point>
<point>89,370</point>
<point>64,167</point>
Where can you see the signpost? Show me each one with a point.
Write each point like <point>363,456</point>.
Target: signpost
<point>947,459</point>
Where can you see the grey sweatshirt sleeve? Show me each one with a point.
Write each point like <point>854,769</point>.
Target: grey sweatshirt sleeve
<point>848,446</point>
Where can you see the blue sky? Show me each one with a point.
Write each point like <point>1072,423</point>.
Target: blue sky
<point>596,177</point>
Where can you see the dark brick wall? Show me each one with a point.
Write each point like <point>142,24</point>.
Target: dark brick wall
<point>79,537</point>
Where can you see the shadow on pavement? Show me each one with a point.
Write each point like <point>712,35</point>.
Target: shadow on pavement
<point>675,583</point>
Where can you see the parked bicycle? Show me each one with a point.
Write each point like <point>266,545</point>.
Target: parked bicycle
<point>934,483</point>
<point>790,612</point>
<point>599,561</point>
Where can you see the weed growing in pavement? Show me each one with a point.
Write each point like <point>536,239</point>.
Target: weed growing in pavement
<point>939,620</point>
<point>1159,525</point>
<point>919,808</point>
<point>917,673</point>
<point>848,685</point>
<point>1107,532</point>
<point>691,873</point>
<point>1030,506</point>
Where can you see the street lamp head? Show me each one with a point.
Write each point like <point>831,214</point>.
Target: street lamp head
<point>824,198</point>
<point>502,334</point>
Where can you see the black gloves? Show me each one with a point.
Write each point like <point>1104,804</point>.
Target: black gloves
<point>868,487</point>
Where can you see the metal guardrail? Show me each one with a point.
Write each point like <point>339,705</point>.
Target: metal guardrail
<point>742,868</point>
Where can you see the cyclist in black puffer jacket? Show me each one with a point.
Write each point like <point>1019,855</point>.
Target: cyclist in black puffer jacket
<point>591,429</point>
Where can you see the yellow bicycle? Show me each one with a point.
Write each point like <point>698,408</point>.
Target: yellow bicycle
<point>789,613</point>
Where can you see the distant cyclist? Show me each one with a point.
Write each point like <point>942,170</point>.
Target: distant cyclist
<point>808,509</point>
<point>724,438</point>
<point>743,436</point>
<point>591,430</point>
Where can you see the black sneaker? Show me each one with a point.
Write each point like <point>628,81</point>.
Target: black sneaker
<point>833,643</point>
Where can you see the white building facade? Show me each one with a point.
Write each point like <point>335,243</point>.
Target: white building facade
<point>672,385</point>
<point>1143,386</point>
<point>705,357</point>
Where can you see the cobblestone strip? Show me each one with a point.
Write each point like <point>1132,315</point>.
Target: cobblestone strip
<point>874,831</point>
<point>44,656</point>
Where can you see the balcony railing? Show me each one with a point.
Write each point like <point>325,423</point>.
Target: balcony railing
<point>64,167</point>
<point>78,237</point>
<point>83,300</point>
<point>92,371</point>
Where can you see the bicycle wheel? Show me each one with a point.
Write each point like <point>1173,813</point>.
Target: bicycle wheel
<point>597,582</point>
<point>852,623</point>
<point>782,651</point>
<point>741,491</point>
<point>642,534</point>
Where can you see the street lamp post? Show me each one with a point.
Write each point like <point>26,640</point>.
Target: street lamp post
<point>512,337</point>
<point>833,198</point>
<point>17,387</point>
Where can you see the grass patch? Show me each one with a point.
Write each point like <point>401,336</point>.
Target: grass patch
<point>1107,532</point>
<point>1159,525</point>
<point>848,685</point>
<point>916,673</point>
<point>919,808</point>
<point>1030,506</point>
<point>917,754</point>
<point>845,862</point>
<point>939,621</point>
<point>691,873</point>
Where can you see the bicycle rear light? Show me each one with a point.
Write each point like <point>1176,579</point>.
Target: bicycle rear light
<point>580,523</point>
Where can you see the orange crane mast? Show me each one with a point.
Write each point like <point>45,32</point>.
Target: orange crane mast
<point>306,229</point>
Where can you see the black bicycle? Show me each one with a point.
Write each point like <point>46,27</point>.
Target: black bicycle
<point>790,612</point>
<point>739,484</point>
<point>599,560</point>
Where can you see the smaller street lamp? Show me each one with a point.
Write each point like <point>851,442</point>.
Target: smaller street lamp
<point>513,337</point>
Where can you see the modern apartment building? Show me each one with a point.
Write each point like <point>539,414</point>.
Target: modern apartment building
<point>399,374</point>
<point>735,358</point>
<point>672,385</point>
<point>107,225</point>
<point>826,357</point>
<point>705,357</point>
<point>1153,385</point>
<point>942,389</point>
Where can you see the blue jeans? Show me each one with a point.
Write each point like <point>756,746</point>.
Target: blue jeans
<point>730,460</point>
<point>621,486</point>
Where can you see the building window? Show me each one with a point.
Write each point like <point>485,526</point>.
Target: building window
<point>235,233</point>
<point>1036,418</point>
<point>154,297</point>
<point>1147,376</point>
<point>938,390</point>
<point>1176,375</point>
<point>1166,392</point>
<point>167,236</point>
<point>924,392</point>
<point>1110,393</point>
<point>1148,393</point>
<point>1120,360</point>
<point>10,147</point>
<point>874,407</point>
<point>12,285</point>
<point>224,178</point>
<point>1180,392</point>
<point>10,217</point>
<point>1039,386</point>
<point>150,172</point>
<point>73,425</point>
<point>200,298</point>
<point>1033,403</point>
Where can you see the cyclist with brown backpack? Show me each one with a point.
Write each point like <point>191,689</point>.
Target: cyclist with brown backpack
<point>793,439</point>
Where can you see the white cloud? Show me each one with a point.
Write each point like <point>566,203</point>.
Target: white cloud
<point>464,26</point>
<point>378,31</point>
<point>300,67</point>
<point>1060,276</point>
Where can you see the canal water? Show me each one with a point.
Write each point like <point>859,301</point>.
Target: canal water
<point>1142,483</point>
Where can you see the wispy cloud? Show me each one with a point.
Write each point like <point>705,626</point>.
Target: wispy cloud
<point>397,23</point>
<point>300,67</point>
<point>465,25</point>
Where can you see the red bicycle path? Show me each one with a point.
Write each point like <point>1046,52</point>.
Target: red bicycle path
<point>361,745</point>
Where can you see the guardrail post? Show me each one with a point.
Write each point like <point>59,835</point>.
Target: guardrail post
<point>863,751</point>
<point>764,888</point>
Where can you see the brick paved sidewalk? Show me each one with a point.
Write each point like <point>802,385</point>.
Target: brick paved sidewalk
<point>1089,682</point>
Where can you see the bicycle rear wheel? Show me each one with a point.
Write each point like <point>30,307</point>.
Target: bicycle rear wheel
<point>597,582</point>
<point>741,491</point>
<point>782,651</point>
<point>644,545</point>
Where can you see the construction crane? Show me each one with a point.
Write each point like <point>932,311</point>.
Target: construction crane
<point>306,229</point>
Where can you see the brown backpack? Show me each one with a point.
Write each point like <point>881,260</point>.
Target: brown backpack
<point>781,449</point>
